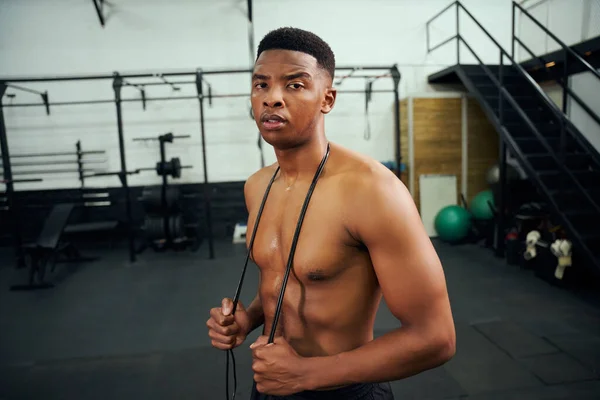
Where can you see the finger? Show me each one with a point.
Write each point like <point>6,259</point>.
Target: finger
<point>226,306</point>
<point>263,352</point>
<point>217,337</point>
<point>258,367</point>
<point>256,354</point>
<point>239,340</point>
<point>261,341</point>
<point>239,306</point>
<point>266,386</point>
<point>221,319</point>
<point>260,388</point>
<point>279,340</point>
<point>221,346</point>
<point>227,330</point>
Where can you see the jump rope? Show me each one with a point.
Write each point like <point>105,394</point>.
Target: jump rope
<point>287,271</point>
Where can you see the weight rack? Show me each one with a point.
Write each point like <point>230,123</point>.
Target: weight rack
<point>164,226</point>
<point>46,161</point>
<point>119,81</point>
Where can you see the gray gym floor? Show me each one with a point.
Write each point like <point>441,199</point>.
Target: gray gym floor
<point>111,330</point>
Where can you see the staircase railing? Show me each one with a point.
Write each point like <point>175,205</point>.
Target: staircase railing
<point>569,55</point>
<point>504,95</point>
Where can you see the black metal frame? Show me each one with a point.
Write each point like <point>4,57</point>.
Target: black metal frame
<point>506,139</point>
<point>117,86</point>
<point>251,32</point>
<point>13,211</point>
<point>120,80</point>
<point>396,76</point>
<point>43,95</point>
<point>207,201</point>
<point>99,6</point>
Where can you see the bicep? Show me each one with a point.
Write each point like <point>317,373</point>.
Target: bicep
<point>408,268</point>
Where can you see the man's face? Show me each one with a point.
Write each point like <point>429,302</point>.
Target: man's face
<point>290,92</point>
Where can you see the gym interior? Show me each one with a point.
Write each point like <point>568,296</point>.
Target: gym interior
<point>127,136</point>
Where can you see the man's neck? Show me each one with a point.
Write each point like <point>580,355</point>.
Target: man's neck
<point>301,163</point>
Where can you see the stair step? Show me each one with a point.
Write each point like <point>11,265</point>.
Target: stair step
<point>537,113</point>
<point>539,116</point>
<point>592,242</point>
<point>526,102</point>
<point>476,69</point>
<point>545,161</point>
<point>585,221</point>
<point>484,78</point>
<point>491,90</point>
<point>587,179</point>
<point>572,198</point>
<point>532,145</point>
<point>518,128</point>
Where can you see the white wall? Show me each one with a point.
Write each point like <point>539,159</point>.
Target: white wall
<point>572,21</point>
<point>587,87</point>
<point>39,37</point>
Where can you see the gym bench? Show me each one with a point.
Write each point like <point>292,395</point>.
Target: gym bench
<point>48,247</point>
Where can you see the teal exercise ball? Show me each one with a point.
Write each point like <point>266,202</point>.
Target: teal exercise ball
<point>452,223</point>
<point>479,206</point>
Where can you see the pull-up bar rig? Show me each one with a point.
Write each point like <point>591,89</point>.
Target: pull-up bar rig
<point>123,80</point>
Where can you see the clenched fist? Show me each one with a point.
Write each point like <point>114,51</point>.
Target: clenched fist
<point>228,331</point>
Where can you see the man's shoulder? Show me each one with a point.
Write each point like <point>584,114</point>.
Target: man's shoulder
<point>372,196</point>
<point>363,174</point>
<point>258,181</point>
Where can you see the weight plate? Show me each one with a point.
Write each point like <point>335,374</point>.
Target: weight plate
<point>175,168</point>
<point>152,199</point>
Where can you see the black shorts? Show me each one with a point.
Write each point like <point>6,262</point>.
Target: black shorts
<point>362,391</point>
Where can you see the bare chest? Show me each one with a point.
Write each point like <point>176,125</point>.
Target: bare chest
<point>322,244</point>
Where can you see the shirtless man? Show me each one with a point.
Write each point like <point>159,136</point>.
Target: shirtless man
<point>362,238</point>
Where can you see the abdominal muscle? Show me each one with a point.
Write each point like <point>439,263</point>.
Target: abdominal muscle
<point>323,318</point>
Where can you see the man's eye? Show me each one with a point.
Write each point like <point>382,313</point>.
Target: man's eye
<point>260,85</point>
<point>296,85</point>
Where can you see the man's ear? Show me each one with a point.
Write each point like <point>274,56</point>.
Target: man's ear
<point>328,100</point>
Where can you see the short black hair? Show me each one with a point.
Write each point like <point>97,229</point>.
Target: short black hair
<point>296,39</point>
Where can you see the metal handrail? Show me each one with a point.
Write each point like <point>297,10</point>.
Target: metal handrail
<point>482,28</point>
<point>518,67</point>
<point>431,20</point>
<point>440,13</point>
<point>553,107</point>
<point>560,42</point>
<point>562,84</point>
<point>531,53</point>
<point>508,96</point>
<point>443,43</point>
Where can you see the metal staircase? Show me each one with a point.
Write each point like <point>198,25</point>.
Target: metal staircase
<point>558,159</point>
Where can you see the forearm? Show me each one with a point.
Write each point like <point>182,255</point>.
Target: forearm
<point>396,355</point>
<point>256,314</point>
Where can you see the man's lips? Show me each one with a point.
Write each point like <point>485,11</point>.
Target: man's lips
<point>272,121</point>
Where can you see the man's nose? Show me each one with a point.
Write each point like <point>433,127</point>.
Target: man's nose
<point>274,98</point>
